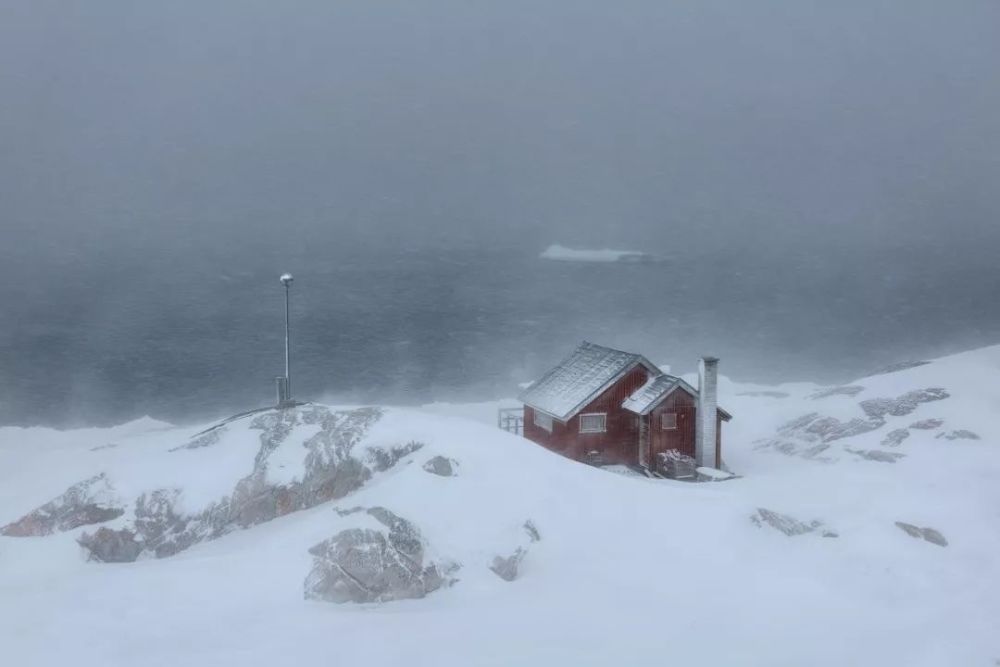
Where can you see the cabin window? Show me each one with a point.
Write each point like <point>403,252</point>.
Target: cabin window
<point>543,421</point>
<point>668,421</point>
<point>596,422</point>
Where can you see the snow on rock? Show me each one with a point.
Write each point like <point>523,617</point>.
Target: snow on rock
<point>960,434</point>
<point>88,502</point>
<point>441,465</point>
<point>788,525</point>
<point>608,539</point>
<point>302,457</point>
<point>111,546</point>
<point>928,534</point>
<point>375,564</point>
<point>811,435</point>
<point>876,455</point>
<point>508,567</point>
<point>895,437</point>
<point>927,424</point>
<point>847,390</point>
<point>878,408</point>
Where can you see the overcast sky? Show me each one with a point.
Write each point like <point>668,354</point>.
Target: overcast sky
<point>834,163</point>
<point>130,123</point>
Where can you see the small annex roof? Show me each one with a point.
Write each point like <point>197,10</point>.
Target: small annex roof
<point>649,395</point>
<point>580,378</point>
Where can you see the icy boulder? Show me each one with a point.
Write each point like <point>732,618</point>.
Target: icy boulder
<point>507,567</point>
<point>304,456</point>
<point>878,408</point>
<point>88,502</point>
<point>927,534</point>
<point>443,466</point>
<point>375,564</point>
<point>111,546</point>
<point>811,435</point>
<point>788,525</point>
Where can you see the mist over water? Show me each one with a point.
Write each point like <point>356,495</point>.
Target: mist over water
<point>821,178</point>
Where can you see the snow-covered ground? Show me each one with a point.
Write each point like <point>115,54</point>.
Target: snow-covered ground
<point>798,561</point>
<point>564,254</point>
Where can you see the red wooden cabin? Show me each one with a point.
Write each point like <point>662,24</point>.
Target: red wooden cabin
<point>610,406</point>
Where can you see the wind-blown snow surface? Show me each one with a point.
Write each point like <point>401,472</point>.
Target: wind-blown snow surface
<point>628,571</point>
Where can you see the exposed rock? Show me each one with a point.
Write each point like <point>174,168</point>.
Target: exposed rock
<point>878,408</point>
<point>332,468</point>
<point>782,522</point>
<point>507,567</point>
<point>440,465</point>
<point>830,428</point>
<point>876,455</point>
<point>787,524</point>
<point>845,390</point>
<point>110,445</point>
<point>532,531</point>
<point>927,424</point>
<point>111,546</point>
<point>85,503</point>
<point>900,366</point>
<point>204,439</point>
<point>810,435</point>
<point>928,534</point>
<point>960,434</point>
<point>365,565</point>
<point>895,437</point>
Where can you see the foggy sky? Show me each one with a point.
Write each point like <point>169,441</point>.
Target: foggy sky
<point>211,137</point>
<point>137,123</point>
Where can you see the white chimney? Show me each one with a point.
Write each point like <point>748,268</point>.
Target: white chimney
<point>708,409</point>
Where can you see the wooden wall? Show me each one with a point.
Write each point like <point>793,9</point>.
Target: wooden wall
<point>619,444</point>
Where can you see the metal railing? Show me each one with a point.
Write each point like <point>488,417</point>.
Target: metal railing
<point>511,420</point>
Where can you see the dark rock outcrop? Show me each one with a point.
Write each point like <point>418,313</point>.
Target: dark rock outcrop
<point>111,546</point>
<point>878,408</point>
<point>366,565</point>
<point>960,434</point>
<point>900,366</point>
<point>846,390</point>
<point>509,566</point>
<point>927,424</point>
<point>86,503</point>
<point>810,435</point>
<point>440,465</point>
<point>788,525</point>
<point>332,468</point>
<point>927,534</point>
<point>506,567</point>
<point>876,455</point>
<point>895,437</point>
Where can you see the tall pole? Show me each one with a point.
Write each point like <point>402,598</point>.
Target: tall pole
<point>286,280</point>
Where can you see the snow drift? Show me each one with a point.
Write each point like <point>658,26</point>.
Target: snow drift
<point>841,541</point>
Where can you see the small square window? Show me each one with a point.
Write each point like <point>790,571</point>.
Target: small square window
<point>668,421</point>
<point>543,421</point>
<point>594,423</point>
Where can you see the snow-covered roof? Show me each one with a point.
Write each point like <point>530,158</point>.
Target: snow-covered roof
<point>649,395</point>
<point>580,378</point>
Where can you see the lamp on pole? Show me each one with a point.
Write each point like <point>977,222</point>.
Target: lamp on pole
<point>286,280</point>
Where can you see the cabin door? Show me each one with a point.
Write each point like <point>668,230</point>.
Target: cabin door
<point>671,428</point>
